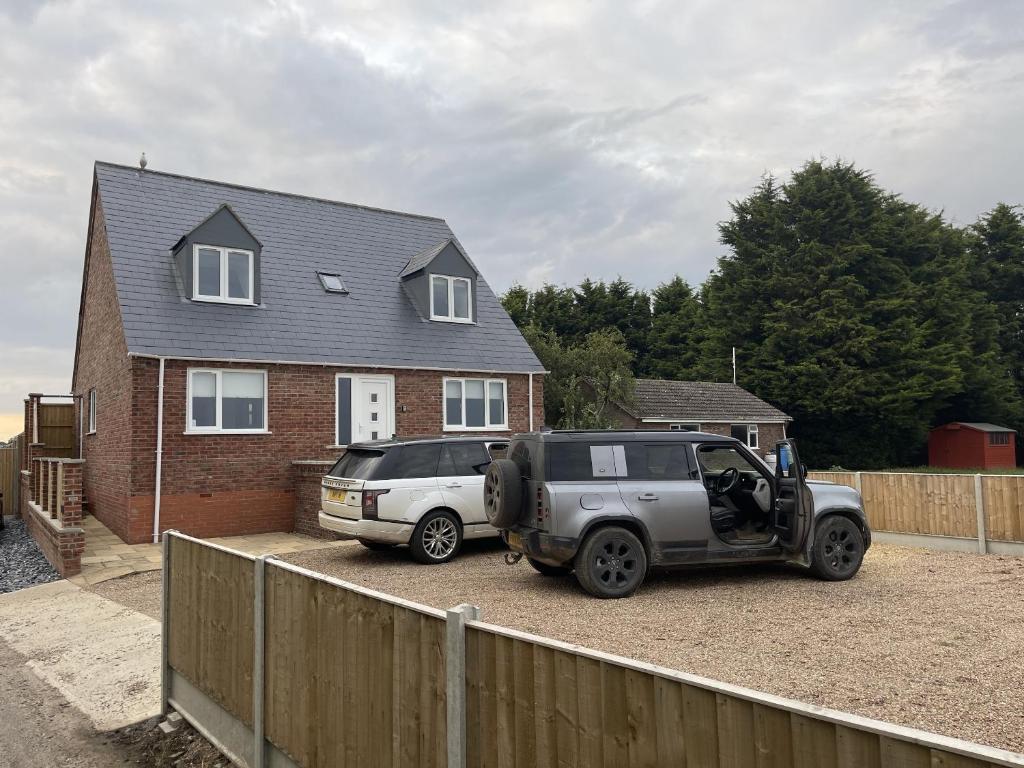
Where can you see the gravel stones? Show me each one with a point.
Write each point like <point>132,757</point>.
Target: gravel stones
<point>21,563</point>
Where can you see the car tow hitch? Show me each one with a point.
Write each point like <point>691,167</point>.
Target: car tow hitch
<point>511,558</point>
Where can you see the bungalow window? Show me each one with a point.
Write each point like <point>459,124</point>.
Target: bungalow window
<point>222,274</point>
<point>451,299</point>
<point>471,404</point>
<point>227,401</point>
<point>92,412</point>
<point>684,427</point>
<point>747,433</point>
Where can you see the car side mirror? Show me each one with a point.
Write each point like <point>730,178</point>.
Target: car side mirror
<point>803,471</point>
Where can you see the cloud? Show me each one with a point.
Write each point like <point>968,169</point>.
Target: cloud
<point>560,140</point>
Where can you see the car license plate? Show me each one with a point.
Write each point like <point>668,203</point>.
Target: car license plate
<point>338,496</point>
<point>515,541</point>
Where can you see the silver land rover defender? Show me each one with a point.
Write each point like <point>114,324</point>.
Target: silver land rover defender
<point>609,505</point>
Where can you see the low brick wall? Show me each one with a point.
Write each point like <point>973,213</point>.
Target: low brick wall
<point>57,528</point>
<point>307,476</point>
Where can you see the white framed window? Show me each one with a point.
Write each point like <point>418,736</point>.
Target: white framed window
<point>746,433</point>
<point>684,427</point>
<point>475,404</point>
<point>226,401</point>
<point>222,274</point>
<point>451,299</point>
<point>92,412</point>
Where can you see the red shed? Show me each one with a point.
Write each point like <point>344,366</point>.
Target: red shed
<point>972,445</point>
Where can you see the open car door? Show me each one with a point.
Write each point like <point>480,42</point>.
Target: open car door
<point>794,508</point>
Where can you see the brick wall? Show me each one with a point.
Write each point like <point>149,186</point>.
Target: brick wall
<point>218,485</point>
<point>308,475</point>
<point>57,529</point>
<point>102,363</point>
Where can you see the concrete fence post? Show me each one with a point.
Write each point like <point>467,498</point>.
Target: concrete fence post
<point>165,626</point>
<point>455,667</point>
<point>259,613</point>
<point>979,504</point>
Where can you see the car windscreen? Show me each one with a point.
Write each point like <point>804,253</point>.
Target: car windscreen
<point>357,464</point>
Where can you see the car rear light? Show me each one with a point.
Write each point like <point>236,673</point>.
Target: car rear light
<point>542,511</point>
<point>370,502</point>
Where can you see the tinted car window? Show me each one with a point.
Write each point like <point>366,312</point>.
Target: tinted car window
<point>716,458</point>
<point>659,461</point>
<point>468,458</point>
<point>574,462</point>
<point>357,464</point>
<point>417,460</point>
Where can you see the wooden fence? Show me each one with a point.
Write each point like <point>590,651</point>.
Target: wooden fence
<point>281,666</point>
<point>57,430</point>
<point>988,508</point>
<point>10,475</point>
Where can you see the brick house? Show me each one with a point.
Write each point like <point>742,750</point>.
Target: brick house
<point>703,406</point>
<point>226,333</point>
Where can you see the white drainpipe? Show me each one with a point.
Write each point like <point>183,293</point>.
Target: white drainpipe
<point>531,400</point>
<point>159,451</point>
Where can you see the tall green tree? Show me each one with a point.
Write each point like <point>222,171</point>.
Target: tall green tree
<point>850,309</point>
<point>674,339</point>
<point>996,244</point>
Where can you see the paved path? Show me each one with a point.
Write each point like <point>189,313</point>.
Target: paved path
<point>103,657</point>
<point>107,557</point>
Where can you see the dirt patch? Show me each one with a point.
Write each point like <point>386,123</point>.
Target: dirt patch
<point>921,638</point>
<point>39,728</point>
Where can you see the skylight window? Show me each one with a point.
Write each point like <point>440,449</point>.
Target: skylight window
<point>332,282</point>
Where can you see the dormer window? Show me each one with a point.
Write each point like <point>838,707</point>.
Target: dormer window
<point>451,299</point>
<point>222,274</point>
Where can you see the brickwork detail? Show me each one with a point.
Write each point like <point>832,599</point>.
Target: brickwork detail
<point>307,477</point>
<point>57,530</point>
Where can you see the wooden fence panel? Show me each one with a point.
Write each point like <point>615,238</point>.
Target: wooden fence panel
<point>10,475</point>
<point>608,711</point>
<point>57,429</point>
<point>939,505</point>
<point>210,625</point>
<point>842,478</point>
<point>351,680</point>
<point>1004,506</point>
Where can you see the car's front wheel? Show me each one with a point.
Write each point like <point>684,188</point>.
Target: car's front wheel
<point>611,563</point>
<point>838,549</point>
<point>437,538</point>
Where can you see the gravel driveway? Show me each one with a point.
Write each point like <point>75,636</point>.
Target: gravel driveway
<point>928,639</point>
<point>21,563</point>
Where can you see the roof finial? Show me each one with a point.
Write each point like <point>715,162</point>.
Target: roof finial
<point>142,161</point>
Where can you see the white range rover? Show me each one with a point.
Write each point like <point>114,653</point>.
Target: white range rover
<point>424,492</point>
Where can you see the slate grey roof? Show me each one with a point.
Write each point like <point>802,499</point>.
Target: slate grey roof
<point>146,212</point>
<point>424,257</point>
<point>983,426</point>
<point>697,401</point>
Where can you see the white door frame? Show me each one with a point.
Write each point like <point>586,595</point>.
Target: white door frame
<point>357,379</point>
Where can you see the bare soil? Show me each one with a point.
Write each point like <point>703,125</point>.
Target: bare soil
<point>927,639</point>
<point>39,728</point>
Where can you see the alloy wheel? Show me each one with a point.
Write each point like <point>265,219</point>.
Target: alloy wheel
<point>440,537</point>
<point>615,564</point>
<point>841,550</point>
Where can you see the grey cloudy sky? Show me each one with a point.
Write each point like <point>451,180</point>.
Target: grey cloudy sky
<point>559,139</point>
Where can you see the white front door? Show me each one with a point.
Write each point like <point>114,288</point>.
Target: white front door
<point>367,405</point>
